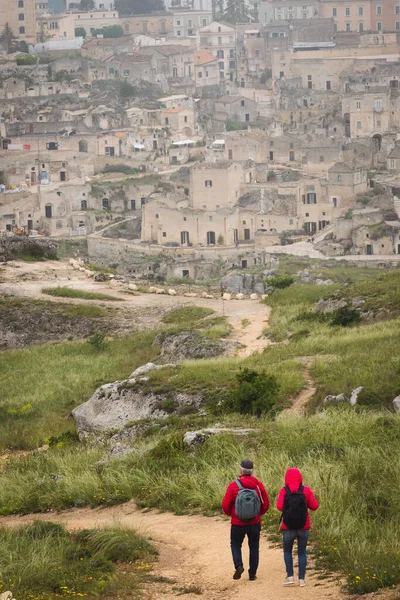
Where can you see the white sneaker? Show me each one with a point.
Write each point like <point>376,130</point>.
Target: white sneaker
<point>289,581</point>
<point>302,583</point>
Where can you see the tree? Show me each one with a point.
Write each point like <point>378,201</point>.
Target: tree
<point>109,31</point>
<point>87,5</point>
<point>43,36</point>
<point>256,393</point>
<point>236,12</point>
<point>8,40</point>
<point>80,32</point>
<point>138,7</point>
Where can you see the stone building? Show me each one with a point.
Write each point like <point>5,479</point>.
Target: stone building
<point>364,15</point>
<point>188,22</point>
<point>21,18</point>
<point>206,70</point>
<point>159,24</point>
<point>235,108</point>
<point>220,39</point>
<point>281,10</point>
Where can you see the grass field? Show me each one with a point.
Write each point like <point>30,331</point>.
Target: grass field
<point>43,562</point>
<point>64,292</point>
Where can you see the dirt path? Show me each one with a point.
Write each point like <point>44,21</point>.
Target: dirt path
<point>299,403</point>
<point>143,311</point>
<point>194,551</point>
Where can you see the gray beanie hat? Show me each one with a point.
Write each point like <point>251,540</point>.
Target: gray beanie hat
<point>247,464</point>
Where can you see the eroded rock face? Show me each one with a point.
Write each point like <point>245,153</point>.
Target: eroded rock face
<point>237,283</point>
<point>114,405</point>
<point>329,305</point>
<point>396,404</point>
<point>190,345</point>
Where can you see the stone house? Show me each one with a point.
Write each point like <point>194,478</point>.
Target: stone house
<point>179,121</point>
<point>246,145</point>
<point>58,27</point>
<point>382,238</point>
<point>171,63</point>
<point>188,22</point>
<point>220,39</point>
<point>153,24</point>
<point>13,87</point>
<point>281,10</point>
<point>314,209</point>
<point>368,113</point>
<point>130,66</point>
<point>345,182</point>
<point>100,49</point>
<point>21,18</point>
<point>393,159</point>
<point>366,15</point>
<point>206,70</point>
<point>215,185</point>
<point>95,19</point>
<point>236,108</point>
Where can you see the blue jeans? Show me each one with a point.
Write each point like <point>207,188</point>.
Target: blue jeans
<point>289,536</point>
<point>238,533</point>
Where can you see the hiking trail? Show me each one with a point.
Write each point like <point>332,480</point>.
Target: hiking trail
<point>195,551</point>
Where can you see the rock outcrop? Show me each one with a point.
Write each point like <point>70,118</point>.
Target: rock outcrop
<point>396,404</point>
<point>196,438</point>
<point>191,345</point>
<point>237,283</point>
<point>114,405</point>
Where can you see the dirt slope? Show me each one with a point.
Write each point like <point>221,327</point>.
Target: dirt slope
<point>194,550</point>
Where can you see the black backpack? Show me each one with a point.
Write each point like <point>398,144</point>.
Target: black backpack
<point>294,514</point>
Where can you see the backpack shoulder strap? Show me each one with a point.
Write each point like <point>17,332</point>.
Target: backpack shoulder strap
<point>301,489</point>
<point>239,484</point>
<point>287,489</point>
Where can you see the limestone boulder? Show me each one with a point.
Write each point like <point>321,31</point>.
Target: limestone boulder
<point>396,404</point>
<point>191,345</point>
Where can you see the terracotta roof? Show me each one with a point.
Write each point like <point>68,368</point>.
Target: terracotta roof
<point>203,57</point>
<point>173,110</point>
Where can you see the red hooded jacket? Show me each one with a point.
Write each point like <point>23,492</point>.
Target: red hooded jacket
<point>228,503</point>
<point>294,479</point>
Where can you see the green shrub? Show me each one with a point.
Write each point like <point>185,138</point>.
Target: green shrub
<point>345,317</point>
<point>280,281</point>
<point>186,314</point>
<point>98,342</point>
<point>256,393</point>
<point>26,59</point>
<point>65,292</point>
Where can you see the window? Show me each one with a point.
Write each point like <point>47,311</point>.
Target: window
<point>133,204</point>
<point>208,183</point>
<point>220,41</point>
<point>52,146</point>
<point>328,85</point>
<point>200,74</point>
<point>358,124</point>
<point>257,54</point>
<point>379,10</point>
<point>22,29</point>
<point>397,25</point>
<point>358,104</point>
<point>392,163</point>
<point>230,154</point>
<point>220,54</point>
<point>48,211</point>
<point>335,27</point>
<point>166,121</point>
<point>83,204</point>
<point>190,23</point>
<point>242,103</point>
<point>178,22</point>
<point>291,155</point>
<point>178,33</point>
<point>347,11</point>
<point>311,198</point>
<point>378,124</point>
<point>379,25</point>
<point>20,3</point>
<point>105,204</point>
<point>142,201</point>
<point>397,9</point>
<point>339,178</point>
<point>361,27</point>
<point>127,72</point>
<point>271,156</point>
<point>204,22</point>
<point>281,74</point>
<point>307,214</point>
<point>210,218</point>
<point>378,104</point>
<point>164,234</point>
<point>321,159</point>
<point>360,11</point>
<point>334,12</point>
<point>21,17</point>
<point>348,27</point>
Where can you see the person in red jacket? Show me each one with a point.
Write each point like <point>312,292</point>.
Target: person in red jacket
<point>293,482</point>
<point>239,529</point>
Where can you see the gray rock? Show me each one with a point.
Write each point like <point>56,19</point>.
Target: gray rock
<point>237,282</point>
<point>323,282</point>
<point>333,399</point>
<point>121,451</point>
<point>147,368</point>
<point>114,405</point>
<point>354,395</point>
<point>196,438</point>
<point>396,404</point>
<point>329,305</point>
<point>190,345</point>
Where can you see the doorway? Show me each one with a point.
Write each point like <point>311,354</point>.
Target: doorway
<point>211,238</point>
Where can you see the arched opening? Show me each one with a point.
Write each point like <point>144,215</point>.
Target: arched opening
<point>106,204</point>
<point>184,238</point>
<point>83,147</point>
<point>48,211</point>
<point>83,204</point>
<point>377,140</point>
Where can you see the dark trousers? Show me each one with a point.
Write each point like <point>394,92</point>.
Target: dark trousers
<point>289,536</point>
<point>238,533</point>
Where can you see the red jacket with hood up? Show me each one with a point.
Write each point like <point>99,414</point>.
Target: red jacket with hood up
<point>294,479</point>
<point>228,503</point>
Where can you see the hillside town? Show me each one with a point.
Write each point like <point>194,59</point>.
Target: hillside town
<point>202,130</point>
